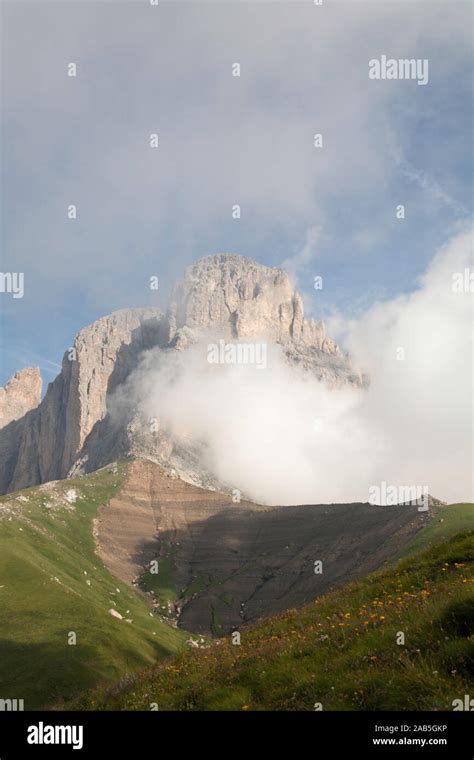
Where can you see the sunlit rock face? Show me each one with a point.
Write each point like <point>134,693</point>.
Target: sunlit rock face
<point>19,395</point>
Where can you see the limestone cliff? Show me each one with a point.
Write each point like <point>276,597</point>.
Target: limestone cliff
<point>43,444</point>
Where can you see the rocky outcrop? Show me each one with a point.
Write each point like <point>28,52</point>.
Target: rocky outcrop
<point>20,394</point>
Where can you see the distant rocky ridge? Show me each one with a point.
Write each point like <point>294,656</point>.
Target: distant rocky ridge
<point>70,431</point>
<point>19,395</point>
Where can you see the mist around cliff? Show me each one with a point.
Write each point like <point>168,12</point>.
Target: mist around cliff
<point>281,437</point>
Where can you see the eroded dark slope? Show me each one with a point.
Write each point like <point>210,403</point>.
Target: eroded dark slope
<point>341,652</point>
<point>221,564</point>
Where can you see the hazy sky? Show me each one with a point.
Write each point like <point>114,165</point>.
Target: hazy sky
<point>223,140</point>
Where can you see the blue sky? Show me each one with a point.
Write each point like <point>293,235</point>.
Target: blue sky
<point>224,140</point>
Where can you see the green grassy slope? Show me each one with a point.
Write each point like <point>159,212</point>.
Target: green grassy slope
<point>448,520</point>
<point>162,583</point>
<point>340,651</point>
<point>52,583</point>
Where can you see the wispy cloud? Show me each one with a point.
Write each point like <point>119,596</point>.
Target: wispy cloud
<point>28,358</point>
<point>300,261</point>
<point>424,180</point>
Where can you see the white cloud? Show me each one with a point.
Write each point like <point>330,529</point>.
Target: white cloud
<point>424,403</point>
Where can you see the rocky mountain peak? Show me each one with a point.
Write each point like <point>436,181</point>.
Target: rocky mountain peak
<point>234,296</point>
<point>20,394</point>
<point>72,431</point>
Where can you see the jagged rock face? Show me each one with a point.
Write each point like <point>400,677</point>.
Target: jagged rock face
<point>44,444</point>
<point>106,352</point>
<point>232,297</point>
<point>20,394</point>
<point>237,298</point>
<point>228,296</point>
